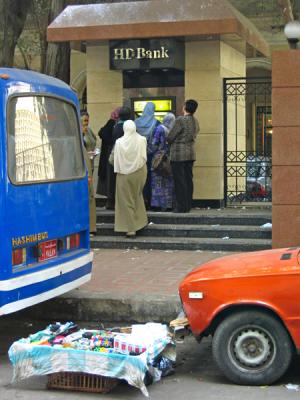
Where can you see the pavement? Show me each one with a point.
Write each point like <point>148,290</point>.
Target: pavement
<point>127,286</point>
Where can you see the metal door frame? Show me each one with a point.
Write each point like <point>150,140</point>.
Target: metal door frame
<point>252,86</point>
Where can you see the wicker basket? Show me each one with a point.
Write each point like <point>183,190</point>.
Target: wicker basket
<point>82,382</point>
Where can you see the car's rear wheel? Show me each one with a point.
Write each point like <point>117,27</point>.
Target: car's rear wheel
<point>252,348</point>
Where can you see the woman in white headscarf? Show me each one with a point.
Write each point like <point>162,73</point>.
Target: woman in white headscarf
<point>130,157</point>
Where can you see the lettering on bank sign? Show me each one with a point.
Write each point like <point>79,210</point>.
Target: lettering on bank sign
<point>146,54</point>
<point>140,53</point>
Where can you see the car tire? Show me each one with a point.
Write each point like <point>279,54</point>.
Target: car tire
<point>252,348</point>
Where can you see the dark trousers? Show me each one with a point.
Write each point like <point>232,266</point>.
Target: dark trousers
<point>147,187</point>
<point>183,183</point>
<point>111,187</point>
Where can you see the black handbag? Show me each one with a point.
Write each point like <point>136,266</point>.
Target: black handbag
<point>161,164</point>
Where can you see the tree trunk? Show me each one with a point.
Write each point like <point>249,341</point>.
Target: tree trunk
<point>58,61</point>
<point>58,54</point>
<point>13,15</point>
<point>286,10</point>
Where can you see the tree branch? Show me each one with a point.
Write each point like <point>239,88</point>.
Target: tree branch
<point>24,56</point>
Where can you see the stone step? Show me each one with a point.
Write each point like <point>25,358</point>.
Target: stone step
<point>211,217</point>
<point>204,231</point>
<point>257,205</point>
<point>180,243</point>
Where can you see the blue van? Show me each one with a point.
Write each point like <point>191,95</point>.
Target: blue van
<point>44,204</point>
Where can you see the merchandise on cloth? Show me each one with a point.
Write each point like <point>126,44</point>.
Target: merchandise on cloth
<point>110,353</point>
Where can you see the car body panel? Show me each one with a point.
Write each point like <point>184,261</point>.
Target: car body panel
<point>268,279</point>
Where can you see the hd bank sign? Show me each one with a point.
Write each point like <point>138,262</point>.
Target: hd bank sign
<point>140,53</point>
<point>147,54</point>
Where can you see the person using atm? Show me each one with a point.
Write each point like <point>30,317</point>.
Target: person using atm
<point>182,138</point>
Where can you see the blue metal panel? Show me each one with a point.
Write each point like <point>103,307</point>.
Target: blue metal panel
<point>58,208</point>
<point>41,287</point>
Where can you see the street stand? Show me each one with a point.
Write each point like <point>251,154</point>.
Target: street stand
<point>95,360</point>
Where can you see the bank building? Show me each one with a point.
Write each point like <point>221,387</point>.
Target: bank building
<point>166,52</point>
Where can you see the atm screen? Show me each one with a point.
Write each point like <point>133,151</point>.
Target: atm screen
<point>162,106</point>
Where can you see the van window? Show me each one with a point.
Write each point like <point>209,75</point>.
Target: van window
<point>43,140</point>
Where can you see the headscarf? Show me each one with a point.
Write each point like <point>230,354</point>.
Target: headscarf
<point>168,122</point>
<point>130,152</point>
<point>146,122</point>
<point>115,114</point>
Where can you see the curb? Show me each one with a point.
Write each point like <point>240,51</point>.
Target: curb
<point>106,307</point>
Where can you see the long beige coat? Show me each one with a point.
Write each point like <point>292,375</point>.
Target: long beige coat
<point>92,201</point>
<point>130,211</point>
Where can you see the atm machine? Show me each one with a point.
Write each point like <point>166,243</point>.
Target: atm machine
<point>163,105</point>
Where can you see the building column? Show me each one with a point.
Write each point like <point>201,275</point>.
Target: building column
<point>285,148</point>
<point>207,63</point>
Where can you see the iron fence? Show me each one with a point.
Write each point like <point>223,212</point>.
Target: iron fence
<point>247,140</point>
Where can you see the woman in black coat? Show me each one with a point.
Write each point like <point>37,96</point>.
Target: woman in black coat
<point>110,137</point>
<point>106,136</point>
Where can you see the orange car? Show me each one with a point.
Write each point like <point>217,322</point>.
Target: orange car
<point>250,304</point>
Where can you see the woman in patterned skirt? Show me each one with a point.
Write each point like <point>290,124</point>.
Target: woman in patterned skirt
<point>161,187</point>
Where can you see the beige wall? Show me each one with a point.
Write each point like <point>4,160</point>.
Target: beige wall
<point>207,63</point>
<point>104,87</point>
<point>78,72</point>
<point>77,66</point>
